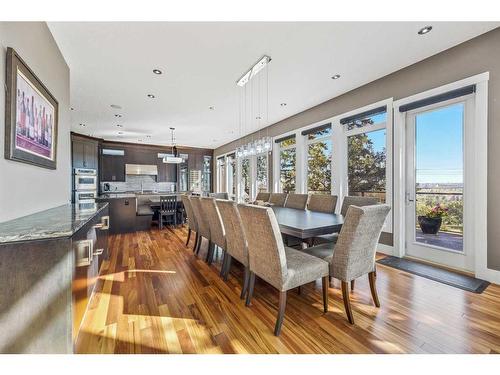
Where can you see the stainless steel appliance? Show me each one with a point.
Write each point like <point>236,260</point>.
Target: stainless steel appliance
<point>141,169</point>
<point>85,189</point>
<point>85,179</point>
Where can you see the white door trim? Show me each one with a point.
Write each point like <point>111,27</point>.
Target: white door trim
<point>478,178</point>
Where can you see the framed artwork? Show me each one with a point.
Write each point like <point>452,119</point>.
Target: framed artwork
<point>31,116</point>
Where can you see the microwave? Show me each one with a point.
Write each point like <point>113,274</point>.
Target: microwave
<point>86,181</point>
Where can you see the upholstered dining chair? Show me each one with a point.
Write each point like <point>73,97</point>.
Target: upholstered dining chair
<point>278,199</point>
<point>236,244</point>
<point>202,223</point>
<point>322,203</point>
<point>191,219</point>
<point>217,234</point>
<point>348,201</point>
<point>282,267</point>
<point>261,196</point>
<point>297,201</point>
<point>353,255</point>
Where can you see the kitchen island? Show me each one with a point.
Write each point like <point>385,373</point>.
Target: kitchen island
<point>49,262</point>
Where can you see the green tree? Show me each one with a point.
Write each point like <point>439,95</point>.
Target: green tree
<point>366,167</point>
<point>319,177</point>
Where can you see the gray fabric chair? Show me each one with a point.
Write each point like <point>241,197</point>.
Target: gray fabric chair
<point>202,223</point>
<point>282,267</point>
<point>262,196</point>
<point>346,203</point>
<point>217,234</point>
<point>236,244</point>
<point>191,219</point>
<point>353,255</point>
<point>322,203</point>
<point>278,199</point>
<point>219,195</point>
<point>297,201</point>
<point>357,201</point>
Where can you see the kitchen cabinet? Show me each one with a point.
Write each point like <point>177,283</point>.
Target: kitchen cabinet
<point>112,168</point>
<point>166,172</point>
<point>84,153</point>
<point>122,213</point>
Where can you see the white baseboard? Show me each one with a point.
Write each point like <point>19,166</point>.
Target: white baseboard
<point>385,249</point>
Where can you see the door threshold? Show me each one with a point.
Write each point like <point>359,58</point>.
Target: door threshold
<point>439,265</point>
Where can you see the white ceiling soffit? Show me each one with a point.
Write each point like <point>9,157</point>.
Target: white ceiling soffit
<point>112,63</point>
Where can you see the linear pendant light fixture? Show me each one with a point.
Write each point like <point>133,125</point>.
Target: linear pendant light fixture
<point>261,64</point>
<point>174,158</point>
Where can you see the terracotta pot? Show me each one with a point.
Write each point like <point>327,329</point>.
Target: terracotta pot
<point>430,225</point>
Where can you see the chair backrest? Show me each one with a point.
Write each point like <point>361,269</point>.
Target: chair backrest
<point>298,201</point>
<point>356,245</point>
<point>217,235</point>
<point>219,195</point>
<point>236,245</point>
<point>278,199</point>
<point>357,201</point>
<point>266,252</point>
<point>261,196</point>
<point>168,204</point>
<point>201,219</point>
<point>322,203</point>
<point>186,201</point>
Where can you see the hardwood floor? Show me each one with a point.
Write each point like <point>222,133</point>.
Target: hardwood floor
<point>155,296</point>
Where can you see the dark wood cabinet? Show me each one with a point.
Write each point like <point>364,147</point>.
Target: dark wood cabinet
<point>112,168</point>
<point>122,214</point>
<point>166,172</point>
<point>85,153</point>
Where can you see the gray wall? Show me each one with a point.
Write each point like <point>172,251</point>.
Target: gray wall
<point>25,189</point>
<point>475,56</point>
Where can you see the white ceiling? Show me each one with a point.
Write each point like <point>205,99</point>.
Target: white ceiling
<point>112,63</point>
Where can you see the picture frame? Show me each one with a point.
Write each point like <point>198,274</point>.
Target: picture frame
<point>31,116</point>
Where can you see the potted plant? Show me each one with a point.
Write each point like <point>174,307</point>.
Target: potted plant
<point>431,222</point>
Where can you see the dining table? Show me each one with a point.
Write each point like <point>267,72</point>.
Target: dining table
<point>306,224</point>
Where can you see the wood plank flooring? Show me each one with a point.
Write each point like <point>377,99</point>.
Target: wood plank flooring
<point>155,296</point>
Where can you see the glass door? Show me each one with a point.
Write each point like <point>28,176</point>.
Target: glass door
<point>435,190</point>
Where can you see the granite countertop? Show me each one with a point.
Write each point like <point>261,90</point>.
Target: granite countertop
<point>117,195</point>
<point>57,222</point>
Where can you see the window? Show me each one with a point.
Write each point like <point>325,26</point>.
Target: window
<point>231,176</point>
<point>319,160</point>
<point>262,171</point>
<point>366,155</point>
<point>287,164</point>
<point>183,173</point>
<point>206,177</point>
<point>221,174</point>
<point>245,180</point>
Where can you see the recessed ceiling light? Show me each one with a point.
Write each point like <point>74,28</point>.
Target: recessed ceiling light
<point>258,118</point>
<point>336,76</point>
<point>115,106</point>
<point>151,96</point>
<point>157,71</point>
<point>424,30</point>
<point>211,108</point>
<point>139,140</point>
<point>119,125</point>
<point>118,115</point>
<point>72,108</point>
<point>120,133</point>
<point>283,104</point>
<point>83,125</point>
<point>148,136</point>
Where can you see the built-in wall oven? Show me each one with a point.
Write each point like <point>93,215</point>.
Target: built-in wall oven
<point>85,188</point>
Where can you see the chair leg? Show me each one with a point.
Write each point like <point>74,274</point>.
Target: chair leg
<point>200,240</point>
<point>251,285</point>
<point>372,278</point>
<point>195,242</point>
<point>210,252</point>
<point>228,266</point>
<point>188,237</point>
<point>375,270</point>
<point>299,290</point>
<point>246,279</point>
<point>325,285</point>
<point>352,285</point>
<point>347,302</point>
<point>281,314</point>
<point>223,265</point>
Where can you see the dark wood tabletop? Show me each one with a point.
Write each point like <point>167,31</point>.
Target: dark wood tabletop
<point>307,224</point>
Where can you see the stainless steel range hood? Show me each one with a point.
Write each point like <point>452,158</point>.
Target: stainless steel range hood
<point>141,169</point>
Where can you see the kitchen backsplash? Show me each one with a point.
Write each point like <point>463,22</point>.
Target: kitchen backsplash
<point>133,183</point>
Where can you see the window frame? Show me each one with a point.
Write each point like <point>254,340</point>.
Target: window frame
<point>307,143</point>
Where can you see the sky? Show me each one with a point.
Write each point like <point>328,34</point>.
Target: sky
<point>439,145</point>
